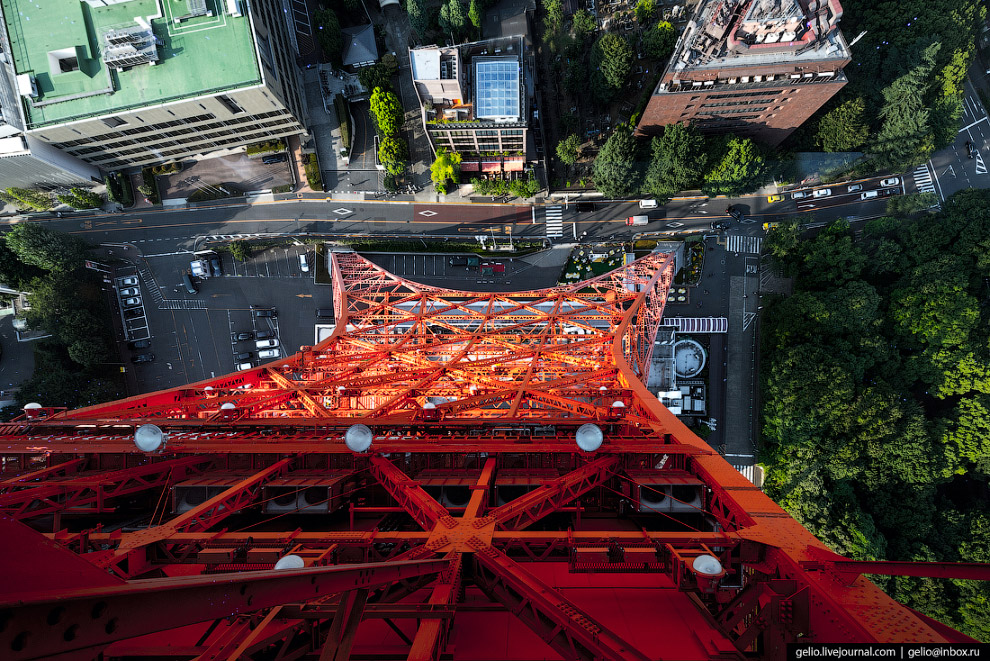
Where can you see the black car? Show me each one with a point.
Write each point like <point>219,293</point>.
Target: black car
<point>265,313</point>
<point>243,335</point>
<point>215,269</point>
<point>734,212</point>
<point>139,344</point>
<point>583,207</point>
<point>244,355</point>
<point>720,226</point>
<point>273,158</point>
<point>143,358</point>
<point>458,261</point>
<point>265,334</point>
<point>133,312</point>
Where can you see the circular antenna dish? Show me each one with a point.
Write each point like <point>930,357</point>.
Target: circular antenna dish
<point>589,437</point>
<point>707,565</point>
<point>618,404</point>
<point>358,438</point>
<point>290,562</point>
<point>149,438</point>
<point>227,406</point>
<point>32,405</point>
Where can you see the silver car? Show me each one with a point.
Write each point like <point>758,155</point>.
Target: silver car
<point>132,302</point>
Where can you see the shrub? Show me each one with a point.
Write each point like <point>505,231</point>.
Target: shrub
<point>114,192</point>
<point>524,187</point>
<point>166,168</point>
<point>80,198</point>
<point>267,147</point>
<point>312,167</point>
<point>32,199</point>
<point>150,186</point>
<point>240,250</point>
<point>284,188</point>
<point>344,119</point>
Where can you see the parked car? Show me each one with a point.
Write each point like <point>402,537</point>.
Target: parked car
<point>720,226</point>
<point>242,356</point>
<point>822,192</point>
<point>243,335</point>
<point>139,344</point>
<point>132,302</point>
<point>129,281</point>
<point>132,313</point>
<point>303,264</point>
<point>264,334</point>
<point>855,188</point>
<point>130,291</point>
<point>268,353</point>
<point>800,195</point>
<point>273,158</point>
<point>584,207</point>
<point>266,344</point>
<point>890,181</point>
<point>734,212</point>
<point>265,313</point>
<point>215,268</point>
<point>458,261</point>
<point>774,198</point>
<point>244,366</point>
<point>143,358</point>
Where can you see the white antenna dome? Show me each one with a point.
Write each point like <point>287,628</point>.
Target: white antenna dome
<point>707,565</point>
<point>358,438</point>
<point>589,437</point>
<point>290,562</point>
<point>149,438</point>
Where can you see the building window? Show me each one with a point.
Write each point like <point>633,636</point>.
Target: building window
<point>229,104</point>
<point>114,122</point>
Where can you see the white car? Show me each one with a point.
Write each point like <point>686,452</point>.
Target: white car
<point>892,181</point>
<point>855,188</point>
<point>268,353</point>
<point>132,302</point>
<point>822,192</point>
<point>303,264</point>
<point>266,344</point>
<point>130,291</point>
<point>244,366</point>
<point>129,281</point>
<point>869,195</point>
<point>800,195</point>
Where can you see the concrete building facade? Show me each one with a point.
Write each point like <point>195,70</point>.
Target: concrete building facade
<point>756,68</point>
<point>122,83</point>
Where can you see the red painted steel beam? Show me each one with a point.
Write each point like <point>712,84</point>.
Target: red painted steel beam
<point>93,490</point>
<point>129,558</point>
<point>340,639</point>
<point>533,506</point>
<point>27,480</point>
<point>432,633</point>
<point>58,621</point>
<point>973,571</point>
<point>561,624</point>
<point>421,506</point>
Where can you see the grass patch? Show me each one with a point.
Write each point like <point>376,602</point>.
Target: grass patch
<point>284,188</point>
<point>312,167</point>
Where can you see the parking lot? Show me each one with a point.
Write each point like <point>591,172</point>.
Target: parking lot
<point>196,336</point>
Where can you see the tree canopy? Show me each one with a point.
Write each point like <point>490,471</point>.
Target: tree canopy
<point>612,58</point>
<point>679,161</point>
<point>844,128</point>
<point>453,19</point>
<point>329,35</point>
<point>659,40</point>
<point>446,167</point>
<point>387,111</point>
<point>46,249</point>
<point>743,168</point>
<point>584,23</point>
<point>615,166</point>
<point>569,149</point>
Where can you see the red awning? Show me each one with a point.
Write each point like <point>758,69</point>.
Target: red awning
<point>513,166</point>
<point>470,166</point>
<point>491,167</point>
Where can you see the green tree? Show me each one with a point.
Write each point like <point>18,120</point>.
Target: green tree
<point>903,205</point>
<point>476,14</point>
<point>240,250</point>
<point>14,272</point>
<point>569,149</point>
<point>88,351</point>
<point>584,23</point>
<point>80,198</point>
<point>393,154</point>
<point>783,240</point>
<point>742,169</point>
<point>45,248</point>
<point>376,76</point>
<point>328,35</point>
<point>615,166</point>
<point>32,199</point>
<point>386,111</point>
<point>845,128</point>
<point>659,40</point>
<point>554,15</point>
<point>419,16</point>
<point>446,167</point>
<point>612,57</point>
<point>906,138</point>
<point>453,20</point>
<point>679,161</point>
<point>646,10</point>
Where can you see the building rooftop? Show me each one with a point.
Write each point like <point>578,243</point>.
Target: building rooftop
<point>496,88</point>
<point>360,48</point>
<point>725,33</point>
<point>166,51</point>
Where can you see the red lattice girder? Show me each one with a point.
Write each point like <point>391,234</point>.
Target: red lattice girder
<point>31,479</point>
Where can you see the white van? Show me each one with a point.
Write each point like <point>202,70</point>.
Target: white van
<point>268,353</point>
<point>638,220</point>
<point>648,204</point>
<point>266,344</point>
<point>869,195</point>
<point>303,264</point>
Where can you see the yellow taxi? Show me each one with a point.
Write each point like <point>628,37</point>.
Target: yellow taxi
<point>769,226</point>
<point>775,198</point>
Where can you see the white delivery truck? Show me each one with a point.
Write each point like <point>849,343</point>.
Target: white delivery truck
<point>637,220</point>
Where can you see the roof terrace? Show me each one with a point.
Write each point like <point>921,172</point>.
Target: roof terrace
<point>158,52</point>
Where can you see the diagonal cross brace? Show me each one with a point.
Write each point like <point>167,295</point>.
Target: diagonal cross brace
<point>421,506</point>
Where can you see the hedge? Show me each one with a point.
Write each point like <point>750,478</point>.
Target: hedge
<point>344,119</point>
<point>312,167</point>
<point>150,186</point>
<point>268,147</point>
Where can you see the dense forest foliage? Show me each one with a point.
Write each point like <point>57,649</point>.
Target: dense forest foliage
<point>876,391</point>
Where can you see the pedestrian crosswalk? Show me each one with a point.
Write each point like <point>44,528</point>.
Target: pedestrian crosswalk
<point>181,304</point>
<point>923,179</point>
<point>748,244</point>
<point>981,166</point>
<point>555,222</point>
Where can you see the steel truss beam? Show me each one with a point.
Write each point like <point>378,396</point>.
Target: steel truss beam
<point>27,480</point>
<point>91,492</point>
<point>421,506</point>
<point>563,626</point>
<point>48,623</point>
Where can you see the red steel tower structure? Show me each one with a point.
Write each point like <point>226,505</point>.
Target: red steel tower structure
<point>451,475</point>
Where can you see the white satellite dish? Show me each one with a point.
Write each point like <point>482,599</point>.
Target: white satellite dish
<point>589,437</point>
<point>32,405</point>
<point>358,438</point>
<point>149,438</point>
<point>227,406</point>
<point>290,562</point>
<point>707,565</point>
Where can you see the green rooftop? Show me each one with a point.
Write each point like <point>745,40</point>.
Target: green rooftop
<point>62,43</point>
